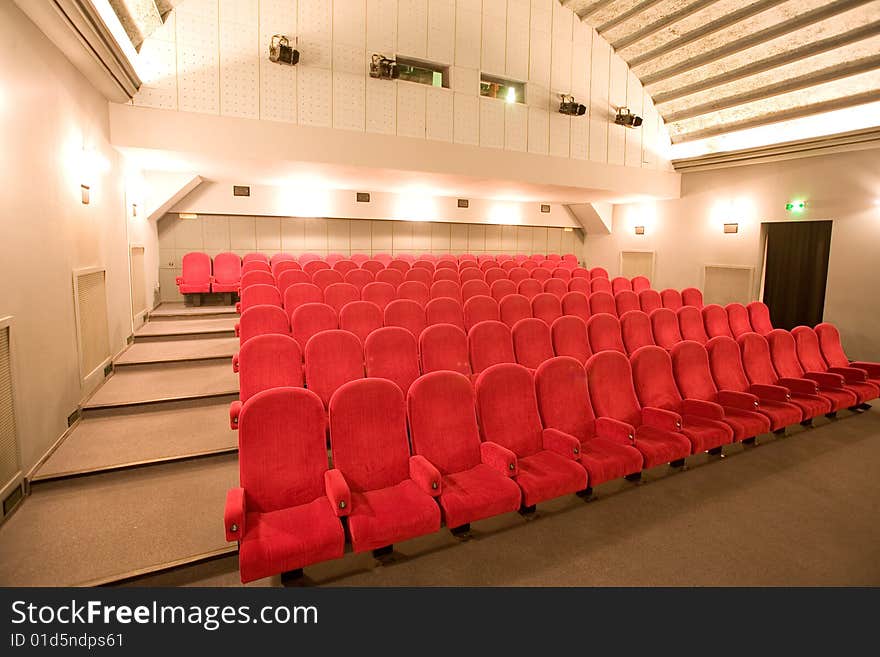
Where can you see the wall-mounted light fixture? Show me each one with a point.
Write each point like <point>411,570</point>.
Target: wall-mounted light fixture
<point>640,230</point>
<point>463,203</point>
<point>626,118</point>
<point>731,228</point>
<point>570,106</point>
<point>281,52</point>
<point>383,68</point>
<point>188,215</point>
<point>545,208</point>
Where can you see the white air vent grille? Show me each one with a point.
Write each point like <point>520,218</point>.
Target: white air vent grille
<point>90,297</point>
<point>725,284</point>
<point>8,441</point>
<point>138,291</point>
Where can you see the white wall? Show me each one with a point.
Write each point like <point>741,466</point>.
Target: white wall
<point>48,112</point>
<point>212,57</point>
<point>686,234</point>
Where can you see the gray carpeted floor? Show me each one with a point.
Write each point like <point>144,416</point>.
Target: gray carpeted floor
<point>179,310</point>
<point>178,350</point>
<point>186,327</point>
<point>796,510</point>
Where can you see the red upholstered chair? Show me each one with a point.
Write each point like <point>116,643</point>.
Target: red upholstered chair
<point>264,362</point>
<point>546,307</point>
<point>307,257</point>
<point>400,265</point>
<point>420,275</point>
<point>576,304</point>
<point>477,478</point>
<point>541,274</point>
<point>725,362</point>
<point>384,258</point>
<point>312,267</point>
<point>444,347</point>
<point>702,422</point>
<point>464,265</point>
<point>407,258</point>
<point>414,291</point>
<point>444,310</point>
<point>360,258</point>
<point>759,317</point>
<point>758,367</point>
<point>602,302</point>
<point>640,283</point>
<point>285,265</point>
<point>474,288</point>
<point>626,300</point>
<point>835,356</point>
<point>374,267</point>
<point>738,319</point>
<point>260,320</point>
<point>650,301</point>
<point>507,265</point>
<point>299,293</point>
<point>502,288</point>
<point>671,298</point>
<point>635,329</point>
<point>444,274</point>
<point>255,265</point>
<point>195,276</point>
<point>489,343</point>
<point>598,272</point>
<point>569,336</point>
<point>549,265</point>
<point>519,258</point>
<point>664,326</point>
<point>359,278</point>
<point>783,352</point>
<point>291,277</point>
<point>690,366</point>
<point>600,285</point>
<point>619,283</point>
<point>392,493</point>
<point>518,274</point>
<point>691,296</point>
<point>556,287</point>
<point>256,277</point>
<point>339,294</point>
<point>333,258</point>
<point>569,257</point>
<point>344,266</point>
<point>227,273</point>
<point>390,276</point>
<point>810,355</point>
<point>480,309</point>
<point>690,324</point>
<point>333,358</point>
<point>581,285</point>
<point>379,293</point>
<point>279,258</point>
<point>531,342</point>
<point>562,273</point>
<point>494,274</point>
<point>257,295</point>
<point>324,278</point>
<point>715,321</point>
<point>547,459</point>
<point>529,288</point>
<point>311,318</point>
<point>407,314</point>
<point>529,265</point>
<point>603,333</point>
<point>621,419</point>
<point>447,262</point>
<point>427,257</point>
<point>448,289</point>
<point>470,274</point>
<point>360,318</point>
<point>580,272</point>
<point>392,353</point>
<point>285,513</point>
<point>513,308</point>
<point>564,404</point>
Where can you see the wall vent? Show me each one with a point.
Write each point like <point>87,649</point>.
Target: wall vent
<point>93,334</point>
<point>10,466</point>
<point>723,284</point>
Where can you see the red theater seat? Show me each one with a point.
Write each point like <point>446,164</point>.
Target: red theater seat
<point>635,329</point>
<point>311,318</point>
<point>256,277</point>
<point>292,277</point>
<point>581,285</point>
<point>390,276</point>
<point>502,288</point>
<point>324,278</point>
<point>640,283</point>
<point>255,265</point>
<point>759,317</point>
<point>529,287</point>
<point>344,266</point>
<point>261,320</point>
<point>562,274</point>
<point>264,362</point>
<point>333,358</point>
<point>374,267</point>
<point>626,300</point>
<point>715,321</point>
<point>474,288</point>
<point>360,318</point>
<point>285,513</point>
<point>407,314</point>
<point>480,309</point>
<point>444,310</point>
<point>339,294</point>
<point>619,283</point>
<point>227,273</point>
<point>835,356</point>
<point>279,258</point>
<point>580,272</point>
<point>445,274</point>
<point>195,276</point>
<point>691,296</point>
<point>360,258</point>
<point>495,274</point>
<point>384,258</point>
<point>490,343</point>
<point>598,272</point>
<point>420,275</point>
<point>738,319</point>
<point>601,285</point>
<point>444,347</point>
<point>650,301</point>
<point>690,323</point>
<point>448,289</point>
<point>603,333</point>
<point>392,493</point>
<point>569,335</point>
<point>306,257</point>
<point>392,353</point>
<point>400,265</point>
<point>312,267</point>
<point>602,302</point>
<point>577,304</point>
<point>414,291</point>
<point>531,342</point>
<point>546,307</point>
<point>470,274</point>
<point>513,308</point>
<point>517,275</point>
<point>547,459</point>
<point>671,299</point>
<point>477,478</point>
<point>257,295</point>
<point>664,326</point>
<point>286,265</point>
<point>541,274</point>
<point>556,286</point>
<point>299,293</point>
<point>359,278</point>
<point>810,355</point>
<point>620,418</point>
<point>379,293</point>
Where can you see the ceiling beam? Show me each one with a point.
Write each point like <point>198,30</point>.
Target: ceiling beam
<point>593,8</point>
<point>662,22</point>
<point>784,115</point>
<point>780,29</point>
<point>815,48</point>
<point>625,16</point>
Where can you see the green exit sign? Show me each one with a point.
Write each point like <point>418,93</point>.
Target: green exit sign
<point>796,206</point>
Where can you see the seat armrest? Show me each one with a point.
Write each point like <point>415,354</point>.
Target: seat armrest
<point>802,386</point>
<point>660,418</point>
<point>872,369</point>
<point>850,374</point>
<point>619,432</point>
<point>337,492</point>
<point>235,364</point>
<point>499,458</point>
<point>773,393</point>
<point>426,476</point>
<point>238,307</point>
<point>702,408</point>
<point>178,280</point>
<point>238,329</point>
<point>562,443</point>
<point>741,400</point>
<point>825,379</point>
<point>234,412</point>
<point>234,514</point>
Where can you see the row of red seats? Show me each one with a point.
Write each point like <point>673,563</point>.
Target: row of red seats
<point>512,440</point>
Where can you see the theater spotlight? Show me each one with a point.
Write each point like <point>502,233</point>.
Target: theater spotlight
<point>571,107</point>
<point>383,68</point>
<point>280,51</point>
<point>626,118</point>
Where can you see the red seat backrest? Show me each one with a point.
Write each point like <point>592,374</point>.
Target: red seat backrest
<point>600,285</point>
<point>531,342</point>
<point>444,347</point>
<point>333,358</point>
<point>360,318</point>
<point>738,319</point>
<point>563,398</point>
<point>671,298</point>
<point>603,333</point>
<point>653,379</point>
<point>650,301</point>
<point>480,309</point>
<point>829,343</point>
<point>756,359</point>
<point>715,321</point>
<point>474,288</point>
<point>546,307</point>
<point>556,287</point>
<point>262,320</point>
<point>569,335</point>
<point>690,366</point>
<point>759,317</point>
<point>635,329</point>
<point>577,304</point>
<point>725,363</point>
<point>407,314</point>
<point>602,302</point>
<point>359,278</point>
<point>690,323</point>
<point>489,343</point>
<point>664,326</point>
<point>691,296</point>
<point>227,268</point>
<point>444,310</point>
<point>392,353</point>
<point>339,294</point>
<point>513,308</point>
<point>609,380</point>
<point>626,300</point>
<point>502,288</point>
<point>256,295</point>
<point>379,293</point>
<point>507,409</point>
<point>640,283</point>
<point>311,318</point>
<point>269,361</point>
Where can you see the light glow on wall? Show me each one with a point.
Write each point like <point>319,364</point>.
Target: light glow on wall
<point>505,213</point>
<point>305,197</point>
<point>415,204</point>
<point>740,210</point>
<point>641,214</point>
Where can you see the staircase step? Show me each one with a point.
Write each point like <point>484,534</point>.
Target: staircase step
<point>171,311</point>
<point>170,351</point>
<point>171,329</point>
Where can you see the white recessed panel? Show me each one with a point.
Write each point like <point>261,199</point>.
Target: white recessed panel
<point>293,234</point>
<point>600,113</point>
<point>441,31</point>
<point>539,240</point>
<point>579,146</point>
<point>466,124</point>
<point>476,238</point>
<point>438,114</point>
<point>542,15</point>
<point>440,237</point>
<point>493,239</point>
<point>492,123</point>
<point>411,109</point>
<point>554,241</point>
<point>402,236</point>
<point>466,80</point>
<point>539,57</point>
<point>316,20</point>
<point>458,238</point>
<point>468,21</point>
<point>268,231</point>
<point>382,236</point>
<point>421,239</point>
<point>560,72</point>
<point>516,127</point>
<point>349,22</point>
<point>349,59</point>
<point>381,106</point>
<point>494,36</point>
<point>539,131</point>
<point>580,72</point>
<point>339,236</point>
<point>617,98</point>
<point>277,92</point>
<point>562,22</point>
<point>349,101</point>
<point>524,239</point>
<point>539,97</point>
<point>517,46</point>
<point>412,28</point>
<point>242,234</point>
<point>560,129</point>
<point>360,236</point>
<point>633,157</point>
<point>382,26</point>
<point>314,95</point>
<point>239,63</point>
<point>508,239</point>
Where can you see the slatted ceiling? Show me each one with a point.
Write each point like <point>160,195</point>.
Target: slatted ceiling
<point>8,440</point>
<point>726,284</point>
<point>94,338</point>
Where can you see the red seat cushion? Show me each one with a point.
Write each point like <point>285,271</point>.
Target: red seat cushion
<point>605,460</point>
<point>780,414</point>
<point>388,515</point>
<point>194,288</point>
<point>745,424</point>
<point>659,446</point>
<point>811,405</point>
<point>290,538</point>
<point>477,493</point>
<point>705,434</point>
<point>545,475</point>
<point>863,391</point>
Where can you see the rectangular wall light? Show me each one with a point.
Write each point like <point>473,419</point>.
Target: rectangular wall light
<point>731,228</point>
<point>188,215</point>
<point>463,203</point>
<point>545,208</point>
<point>363,197</point>
<point>640,230</point>
<point>241,190</point>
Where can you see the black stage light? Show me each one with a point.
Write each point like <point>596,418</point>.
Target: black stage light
<point>571,107</point>
<point>627,119</point>
<point>383,68</point>
<point>280,51</point>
